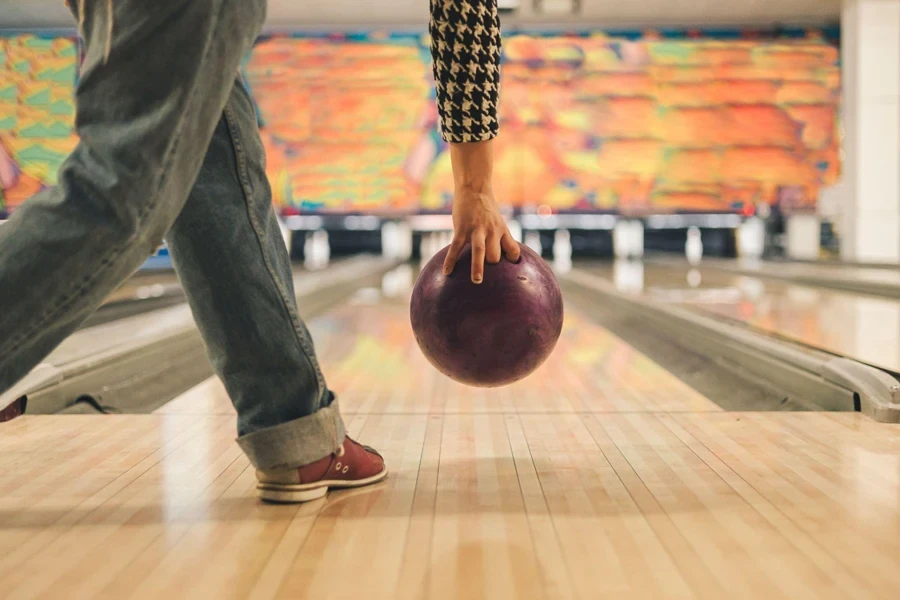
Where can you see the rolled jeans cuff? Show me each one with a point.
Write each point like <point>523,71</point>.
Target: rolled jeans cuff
<point>296,443</point>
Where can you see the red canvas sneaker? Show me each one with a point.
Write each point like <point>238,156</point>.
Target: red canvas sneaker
<point>353,465</point>
<point>12,411</point>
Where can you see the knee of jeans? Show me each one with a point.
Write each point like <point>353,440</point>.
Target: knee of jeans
<point>116,228</point>
<point>121,209</point>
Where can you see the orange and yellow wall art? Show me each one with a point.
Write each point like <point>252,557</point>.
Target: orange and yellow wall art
<point>590,122</point>
<point>631,124</point>
<point>37,80</point>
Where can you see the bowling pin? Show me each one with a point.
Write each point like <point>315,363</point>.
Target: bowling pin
<point>562,244</point>
<point>751,238</point>
<point>317,250</point>
<point>308,258</point>
<point>622,239</point>
<point>562,264</point>
<point>533,241</point>
<point>515,230</point>
<point>405,236</point>
<point>390,245</point>
<point>428,246</point>
<point>325,246</point>
<point>562,251</point>
<point>318,255</point>
<point>637,239</point>
<point>693,248</point>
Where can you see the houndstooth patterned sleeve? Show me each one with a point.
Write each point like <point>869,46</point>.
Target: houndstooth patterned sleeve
<point>465,48</point>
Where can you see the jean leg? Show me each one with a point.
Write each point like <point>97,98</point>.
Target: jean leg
<point>236,271</point>
<point>153,86</point>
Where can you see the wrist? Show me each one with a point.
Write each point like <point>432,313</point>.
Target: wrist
<point>473,165</point>
<point>473,187</point>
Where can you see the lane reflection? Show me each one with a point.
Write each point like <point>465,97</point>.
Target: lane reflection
<point>865,328</point>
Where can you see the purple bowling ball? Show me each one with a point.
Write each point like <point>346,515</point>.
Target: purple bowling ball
<point>491,334</point>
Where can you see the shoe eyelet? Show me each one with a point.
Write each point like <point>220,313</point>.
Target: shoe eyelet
<point>337,467</point>
<point>345,469</point>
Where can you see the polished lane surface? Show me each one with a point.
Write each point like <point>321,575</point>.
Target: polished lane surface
<point>602,475</point>
<point>862,327</point>
<point>830,271</point>
<point>858,279</point>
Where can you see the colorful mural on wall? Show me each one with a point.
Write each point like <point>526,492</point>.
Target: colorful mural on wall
<point>344,122</point>
<point>589,123</point>
<point>37,78</point>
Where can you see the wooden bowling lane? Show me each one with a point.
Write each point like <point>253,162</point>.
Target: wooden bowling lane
<point>479,505</point>
<point>375,366</point>
<point>865,328</point>
<point>848,273</point>
<point>602,476</point>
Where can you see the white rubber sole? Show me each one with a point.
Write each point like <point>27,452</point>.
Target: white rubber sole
<point>293,494</point>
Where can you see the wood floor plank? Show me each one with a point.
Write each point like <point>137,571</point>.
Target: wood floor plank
<point>630,505</point>
<point>845,582</point>
<point>481,545</point>
<point>359,537</point>
<point>206,398</point>
<point>412,580</point>
<point>608,547</point>
<point>549,550</point>
<point>85,481</point>
<point>848,513</point>
<point>748,554</point>
<point>87,537</point>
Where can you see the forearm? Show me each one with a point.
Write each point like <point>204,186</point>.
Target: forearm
<point>465,48</point>
<point>473,165</point>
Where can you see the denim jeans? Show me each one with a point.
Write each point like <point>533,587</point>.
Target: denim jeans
<point>169,149</point>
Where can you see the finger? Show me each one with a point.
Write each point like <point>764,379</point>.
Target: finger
<point>478,248</point>
<point>511,248</point>
<point>493,252</point>
<point>456,246</point>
